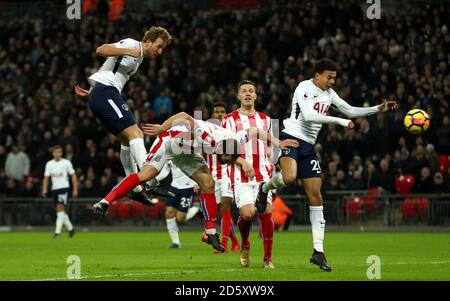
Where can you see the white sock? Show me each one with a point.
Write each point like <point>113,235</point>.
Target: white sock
<point>129,166</point>
<point>317,226</point>
<point>275,183</point>
<point>138,151</point>
<point>60,216</point>
<point>172,227</point>
<point>211,231</point>
<point>191,213</point>
<point>67,222</point>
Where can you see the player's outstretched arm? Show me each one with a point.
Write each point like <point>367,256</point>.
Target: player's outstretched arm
<point>267,137</point>
<point>352,112</point>
<point>82,92</point>
<point>388,105</point>
<point>177,119</point>
<point>107,50</point>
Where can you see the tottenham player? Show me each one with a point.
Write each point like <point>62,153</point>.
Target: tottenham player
<point>310,104</point>
<point>178,208</point>
<point>183,140</point>
<point>59,170</point>
<point>223,190</point>
<point>122,61</point>
<point>251,169</point>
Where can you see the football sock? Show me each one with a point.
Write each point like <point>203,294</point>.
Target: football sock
<point>124,186</point>
<point>275,183</point>
<point>67,222</point>
<point>172,227</point>
<point>128,164</point>
<point>317,226</point>
<point>210,211</point>
<point>234,239</point>
<point>138,151</point>
<point>244,228</point>
<point>226,227</point>
<point>59,221</point>
<point>191,213</point>
<point>267,234</point>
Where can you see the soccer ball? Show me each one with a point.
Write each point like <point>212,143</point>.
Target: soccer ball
<point>417,121</point>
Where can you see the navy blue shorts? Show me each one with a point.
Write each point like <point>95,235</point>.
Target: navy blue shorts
<point>107,104</point>
<point>60,196</point>
<point>308,165</point>
<point>183,199</point>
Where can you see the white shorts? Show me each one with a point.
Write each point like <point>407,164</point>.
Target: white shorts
<point>223,189</point>
<point>246,193</point>
<point>161,152</point>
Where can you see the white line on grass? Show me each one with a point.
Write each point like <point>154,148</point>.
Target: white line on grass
<point>216,271</point>
<point>137,274</point>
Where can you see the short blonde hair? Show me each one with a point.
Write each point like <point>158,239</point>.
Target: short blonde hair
<point>156,32</point>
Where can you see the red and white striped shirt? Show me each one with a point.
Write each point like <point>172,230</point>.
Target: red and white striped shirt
<point>218,171</point>
<point>204,139</point>
<point>255,150</point>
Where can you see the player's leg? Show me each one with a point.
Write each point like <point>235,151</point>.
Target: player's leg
<point>267,230</point>
<point>197,169</point>
<point>227,223</point>
<point>135,138</point>
<point>171,221</point>
<point>125,186</point>
<point>287,176</point>
<point>244,197</point>
<point>60,216</point>
<point>312,183</point>
<point>63,198</point>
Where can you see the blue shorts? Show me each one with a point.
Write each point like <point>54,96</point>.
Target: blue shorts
<point>308,165</point>
<point>60,196</point>
<point>107,104</point>
<point>182,200</point>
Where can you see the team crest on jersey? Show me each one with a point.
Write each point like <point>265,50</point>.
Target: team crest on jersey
<point>157,158</point>
<point>125,107</point>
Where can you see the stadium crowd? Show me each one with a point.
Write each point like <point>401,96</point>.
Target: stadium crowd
<point>404,56</point>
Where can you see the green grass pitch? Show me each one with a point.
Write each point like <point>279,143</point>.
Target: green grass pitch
<point>145,256</point>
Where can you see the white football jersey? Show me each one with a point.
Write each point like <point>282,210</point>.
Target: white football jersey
<point>116,70</point>
<point>179,179</point>
<point>310,106</point>
<point>59,172</point>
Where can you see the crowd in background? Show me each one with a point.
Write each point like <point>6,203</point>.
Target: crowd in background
<point>404,56</point>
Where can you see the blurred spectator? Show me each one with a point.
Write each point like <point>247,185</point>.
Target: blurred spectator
<point>17,164</point>
<point>443,136</point>
<point>376,60</point>
<point>282,214</point>
<point>438,186</point>
<point>423,183</point>
<point>387,176</point>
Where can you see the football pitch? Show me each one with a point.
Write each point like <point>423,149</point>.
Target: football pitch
<point>145,256</point>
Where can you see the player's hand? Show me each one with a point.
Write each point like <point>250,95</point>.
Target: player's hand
<point>134,52</point>
<point>350,125</point>
<point>288,143</point>
<point>81,92</point>
<point>44,194</point>
<point>388,105</point>
<point>248,169</point>
<point>75,194</point>
<point>152,129</point>
<point>196,188</point>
